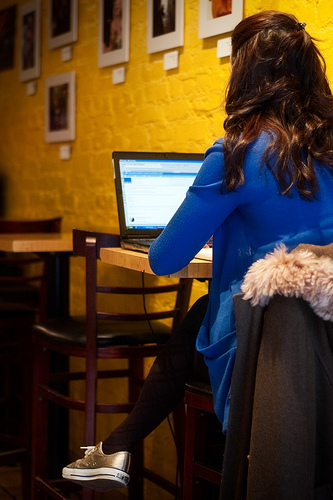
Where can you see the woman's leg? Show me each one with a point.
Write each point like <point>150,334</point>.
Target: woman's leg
<point>164,387</point>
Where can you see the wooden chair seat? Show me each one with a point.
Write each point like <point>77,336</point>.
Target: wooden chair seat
<point>71,330</point>
<point>13,310</point>
<point>23,294</point>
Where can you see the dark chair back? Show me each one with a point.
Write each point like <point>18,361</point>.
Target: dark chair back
<point>30,226</point>
<point>88,244</point>
<point>22,276</point>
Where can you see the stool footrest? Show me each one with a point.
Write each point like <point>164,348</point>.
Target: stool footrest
<point>72,404</point>
<point>213,476</point>
<point>157,479</point>
<point>49,489</point>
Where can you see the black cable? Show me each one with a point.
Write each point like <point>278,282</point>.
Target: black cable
<point>144,302</point>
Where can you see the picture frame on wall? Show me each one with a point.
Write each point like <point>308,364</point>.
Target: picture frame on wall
<point>7,37</point>
<point>114,32</point>
<point>60,107</point>
<point>29,41</point>
<point>219,16</point>
<point>62,23</point>
<point>165,25</point>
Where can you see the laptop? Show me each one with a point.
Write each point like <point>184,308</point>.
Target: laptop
<point>149,189</point>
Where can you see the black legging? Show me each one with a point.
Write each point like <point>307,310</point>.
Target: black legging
<point>164,387</point>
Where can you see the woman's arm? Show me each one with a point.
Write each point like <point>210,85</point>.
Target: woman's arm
<point>201,213</point>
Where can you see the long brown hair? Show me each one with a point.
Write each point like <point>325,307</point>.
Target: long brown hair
<point>278,84</point>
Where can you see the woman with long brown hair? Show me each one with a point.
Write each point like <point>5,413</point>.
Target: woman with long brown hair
<point>267,182</point>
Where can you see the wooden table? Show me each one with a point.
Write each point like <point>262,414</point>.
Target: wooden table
<point>138,261</point>
<point>37,243</point>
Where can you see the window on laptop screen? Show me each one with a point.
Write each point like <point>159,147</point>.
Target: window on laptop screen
<point>153,189</point>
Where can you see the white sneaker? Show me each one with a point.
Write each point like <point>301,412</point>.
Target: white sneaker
<point>99,471</point>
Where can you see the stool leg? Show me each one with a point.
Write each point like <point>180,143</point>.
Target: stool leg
<point>179,425</point>
<point>26,402</point>
<point>39,417</point>
<point>190,432</point>
<point>135,487</point>
<point>197,425</point>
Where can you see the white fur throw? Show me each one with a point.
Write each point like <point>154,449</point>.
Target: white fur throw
<point>300,273</point>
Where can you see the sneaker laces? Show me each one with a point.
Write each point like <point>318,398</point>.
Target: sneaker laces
<point>89,449</point>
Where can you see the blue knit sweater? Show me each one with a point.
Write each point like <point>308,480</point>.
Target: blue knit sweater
<point>245,224</point>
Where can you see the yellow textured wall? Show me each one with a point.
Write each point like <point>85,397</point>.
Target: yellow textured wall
<point>176,110</point>
<point>153,110</point>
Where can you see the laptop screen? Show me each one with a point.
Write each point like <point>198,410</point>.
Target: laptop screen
<point>150,187</point>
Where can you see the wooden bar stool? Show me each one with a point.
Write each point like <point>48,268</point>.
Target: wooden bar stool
<point>16,322</point>
<point>98,335</point>
<point>204,444</point>
<point>22,281</point>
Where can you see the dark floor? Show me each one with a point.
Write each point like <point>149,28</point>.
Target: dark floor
<point>10,483</point>
<point>10,486</point>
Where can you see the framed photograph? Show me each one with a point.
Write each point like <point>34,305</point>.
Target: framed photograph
<point>219,16</point>
<point>7,36</point>
<point>165,25</point>
<point>62,23</point>
<point>60,107</point>
<point>113,34</point>
<point>30,41</point>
